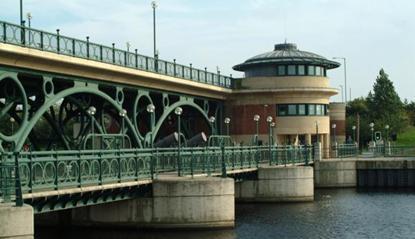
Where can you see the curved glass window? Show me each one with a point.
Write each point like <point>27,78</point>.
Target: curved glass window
<point>286,70</point>
<point>302,110</point>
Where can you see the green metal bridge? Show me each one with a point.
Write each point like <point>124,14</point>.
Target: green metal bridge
<point>67,140</point>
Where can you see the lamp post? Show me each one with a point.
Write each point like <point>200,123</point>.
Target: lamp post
<point>372,125</point>
<point>354,133</point>
<point>227,121</point>
<point>178,111</point>
<point>151,109</point>
<point>269,121</point>
<point>91,112</point>
<point>272,132</point>
<point>345,76</point>
<point>29,18</point>
<point>387,132</point>
<point>122,114</point>
<point>154,6</point>
<point>212,124</point>
<point>21,12</point>
<point>12,120</point>
<point>256,119</point>
<point>333,126</point>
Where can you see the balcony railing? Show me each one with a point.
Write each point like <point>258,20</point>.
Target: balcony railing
<point>57,43</point>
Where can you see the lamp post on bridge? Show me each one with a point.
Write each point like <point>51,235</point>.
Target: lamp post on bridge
<point>122,114</point>
<point>179,111</point>
<point>151,109</point>
<point>91,112</point>
<point>154,6</point>
<point>227,121</point>
<point>256,120</point>
<point>269,121</point>
<point>212,120</point>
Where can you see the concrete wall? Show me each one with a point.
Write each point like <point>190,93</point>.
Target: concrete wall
<point>336,173</point>
<point>205,202</point>
<point>278,184</point>
<point>16,222</point>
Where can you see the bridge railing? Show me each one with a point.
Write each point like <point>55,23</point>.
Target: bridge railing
<point>38,171</point>
<point>388,150</point>
<point>57,43</point>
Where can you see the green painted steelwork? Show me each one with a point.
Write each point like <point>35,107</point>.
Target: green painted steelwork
<point>30,97</point>
<point>48,171</point>
<point>57,43</point>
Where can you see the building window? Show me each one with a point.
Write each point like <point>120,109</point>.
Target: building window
<point>282,110</point>
<point>318,71</point>
<point>311,70</point>
<point>281,71</point>
<point>301,110</point>
<point>319,110</point>
<point>292,109</point>
<point>301,70</point>
<point>291,70</point>
<point>311,109</point>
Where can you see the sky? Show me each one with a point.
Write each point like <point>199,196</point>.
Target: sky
<point>370,34</point>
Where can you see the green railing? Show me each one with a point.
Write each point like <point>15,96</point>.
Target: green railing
<point>54,170</point>
<point>56,43</point>
<point>347,150</point>
<point>392,151</point>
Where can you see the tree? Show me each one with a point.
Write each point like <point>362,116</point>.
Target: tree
<point>384,105</point>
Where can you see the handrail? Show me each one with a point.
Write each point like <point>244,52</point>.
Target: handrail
<point>36,171</point>
<point>55,42</point>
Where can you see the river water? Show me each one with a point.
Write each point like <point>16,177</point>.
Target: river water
<point>339,213</point>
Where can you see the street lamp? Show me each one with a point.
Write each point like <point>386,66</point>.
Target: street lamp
<point>387,132</point>
<point>12,120</point>
<point>212,124</point>
<point>227,121</point>
<point>269,121</point>
<point>91,112</point>
<point>272,131</point>
<point>21,12</point>
<point>122,114</point>
<point>151,109</point>
<point>372,125</point>
<point>178,111</point>
<point>345,77</point>
<point>354,133</point>
<point>154,6</point>
<point>256,119</point>
<point>333,126</point>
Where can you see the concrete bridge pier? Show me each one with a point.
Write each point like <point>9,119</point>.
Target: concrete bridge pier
<point>16,222</point>
<point>278,184</point>
<point>177,203</point>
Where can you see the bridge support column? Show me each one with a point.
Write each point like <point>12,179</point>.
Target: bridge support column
<point>278,184</point>
<point>203,202</point>
<point>16,222</point>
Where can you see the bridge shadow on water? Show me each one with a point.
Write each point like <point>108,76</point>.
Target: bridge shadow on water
<point>108,233</point>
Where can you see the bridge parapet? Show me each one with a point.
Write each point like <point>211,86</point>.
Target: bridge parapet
<point>57,43</point>
<point>57,173</point>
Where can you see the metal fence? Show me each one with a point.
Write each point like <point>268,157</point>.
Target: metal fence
<point>55,170</point>
<point>57,43</point>
<point>392,151</point>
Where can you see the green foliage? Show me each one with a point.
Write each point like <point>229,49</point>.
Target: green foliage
<point>382,107</point>
<point>407,137</point>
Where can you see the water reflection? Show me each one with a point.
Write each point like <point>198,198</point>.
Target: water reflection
<point>334,214</point>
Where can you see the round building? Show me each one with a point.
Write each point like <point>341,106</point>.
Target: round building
<point>291,86</point>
